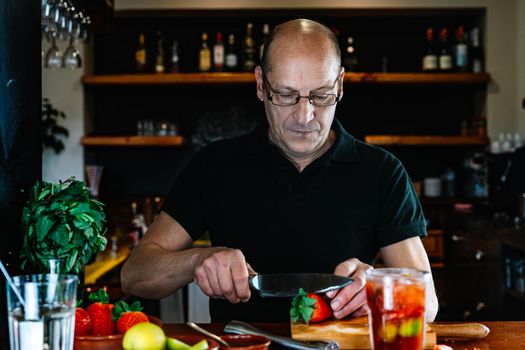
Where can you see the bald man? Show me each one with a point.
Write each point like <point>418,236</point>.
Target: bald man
<point>297,194</point>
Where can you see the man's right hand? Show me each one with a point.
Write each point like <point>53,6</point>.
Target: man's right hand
<point>223,273</point>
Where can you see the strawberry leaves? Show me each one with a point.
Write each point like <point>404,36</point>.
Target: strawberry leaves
<point>101,297</point>
<point>122,307</point>
<point>302,307</point>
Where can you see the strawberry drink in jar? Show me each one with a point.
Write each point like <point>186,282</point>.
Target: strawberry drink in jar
<point>396,299</point>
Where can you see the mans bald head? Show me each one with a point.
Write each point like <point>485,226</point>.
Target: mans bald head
<point>299,35</point>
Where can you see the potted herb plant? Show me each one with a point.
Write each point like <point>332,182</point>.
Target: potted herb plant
<point>61,221</point>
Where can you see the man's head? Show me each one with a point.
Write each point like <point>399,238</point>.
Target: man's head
<point>302,58</point>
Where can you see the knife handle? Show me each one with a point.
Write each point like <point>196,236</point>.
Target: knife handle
<point>460,330</point>
<point>238,327</point>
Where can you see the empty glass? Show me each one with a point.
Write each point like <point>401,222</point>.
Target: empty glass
<point>61,20</point>
<point>54,56</point>
<point>72,59</point>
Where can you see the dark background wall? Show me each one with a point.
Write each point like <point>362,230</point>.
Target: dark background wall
<point>20,115</point>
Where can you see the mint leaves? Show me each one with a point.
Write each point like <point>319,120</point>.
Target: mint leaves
<point>61,221</point>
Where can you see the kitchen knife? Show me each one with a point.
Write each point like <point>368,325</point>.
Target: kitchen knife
<point>288,284</point>
<point>238,327</point>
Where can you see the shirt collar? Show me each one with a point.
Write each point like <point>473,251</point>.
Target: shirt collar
<point>343,150</point>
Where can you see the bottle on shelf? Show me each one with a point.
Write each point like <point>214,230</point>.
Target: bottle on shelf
<point>204,54</point>
<point>430,59</point>
<point>175,57</point>
<point>218,53</point>
<point>138,225</point>
<point>476,53</point>
<point>231,55</point>
<point>460,50</point>
<point>140,55</point>
<point>248,50</point>
<point>445,58</point>
<point>264,40</point>
<point>160,66</point>
<point>350,56</point>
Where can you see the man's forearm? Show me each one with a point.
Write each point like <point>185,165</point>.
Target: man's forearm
<point>153,272</point>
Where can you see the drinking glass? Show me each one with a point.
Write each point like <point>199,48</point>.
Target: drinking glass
<point>93,175</point>
<point>396,299</point>
<point>72,58</point>
<point>53,56</point>
<point>46,319</point>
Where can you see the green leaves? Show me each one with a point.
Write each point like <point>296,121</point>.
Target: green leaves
<point>51,132</point>
<point>121,306</point>
<point>62,221</point>
<point>302,307</point>
<point>100,296</point>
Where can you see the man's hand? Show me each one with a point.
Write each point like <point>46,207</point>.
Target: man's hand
<point>352,298</point>
<point>223,273</point>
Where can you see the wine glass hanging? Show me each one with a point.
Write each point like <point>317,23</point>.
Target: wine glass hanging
<point>61,21</point>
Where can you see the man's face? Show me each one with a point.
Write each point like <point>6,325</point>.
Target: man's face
<point>300,130</point>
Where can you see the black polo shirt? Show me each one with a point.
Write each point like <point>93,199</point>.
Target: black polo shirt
<point>350,202</point>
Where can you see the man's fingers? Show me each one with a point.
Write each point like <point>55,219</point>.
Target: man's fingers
<point>240,271</point>
<point>362,311</point>
<point>346,268</point>
<point>227,285</point>
<point>251,271</point>
<point>357,302</point>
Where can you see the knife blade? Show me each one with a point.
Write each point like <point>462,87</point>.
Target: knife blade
<point>288,284</point>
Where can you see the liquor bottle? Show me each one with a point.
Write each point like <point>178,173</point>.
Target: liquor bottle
<point>445,58</point>
<point>350,56</point>
<point>248,50</point>
<point>476,54</point>
<point>159,58</point>
<point>264,40</point>
<point>140,55</point>
<point>175,57</point>
<point>204,54</point>
<point>430,60</point>
<point>218,53</point>
<point>460,50</point>
<point>231,55</point>
<point>138,225</point>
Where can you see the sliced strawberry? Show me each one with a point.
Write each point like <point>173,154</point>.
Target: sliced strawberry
<point>309,307</point>
<point>83,324</point>
<point>127,316</point>
<point>100,313</point>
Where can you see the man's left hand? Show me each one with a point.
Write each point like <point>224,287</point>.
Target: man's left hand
<point>350,300</point>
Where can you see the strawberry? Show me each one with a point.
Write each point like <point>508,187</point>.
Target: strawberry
<point>127,316</point>
<point>100,313</point>
<point>83,324</point>
<point>309,307</point>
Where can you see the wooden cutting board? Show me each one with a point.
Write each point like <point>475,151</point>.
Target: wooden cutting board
<point>350,334</point>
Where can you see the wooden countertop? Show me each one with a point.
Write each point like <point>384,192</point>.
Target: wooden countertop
<point>503,335</point>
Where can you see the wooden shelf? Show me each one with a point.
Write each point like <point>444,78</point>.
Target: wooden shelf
<point>133,141</point>
<point>418,78</point>
<point>169,79</point>
<point>241,78</point>
<point>426,140</point>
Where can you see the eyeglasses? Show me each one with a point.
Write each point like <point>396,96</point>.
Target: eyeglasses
<point>284,100</point>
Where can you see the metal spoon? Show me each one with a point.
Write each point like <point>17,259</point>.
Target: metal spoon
<point>205,332</point>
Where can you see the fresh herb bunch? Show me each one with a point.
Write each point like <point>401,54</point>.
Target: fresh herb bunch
<point>61,221</point>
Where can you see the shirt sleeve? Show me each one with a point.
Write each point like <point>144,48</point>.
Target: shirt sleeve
<point>400,213</point>
<point>186,200</point>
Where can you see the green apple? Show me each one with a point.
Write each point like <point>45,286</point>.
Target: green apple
<point>144,336</point>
